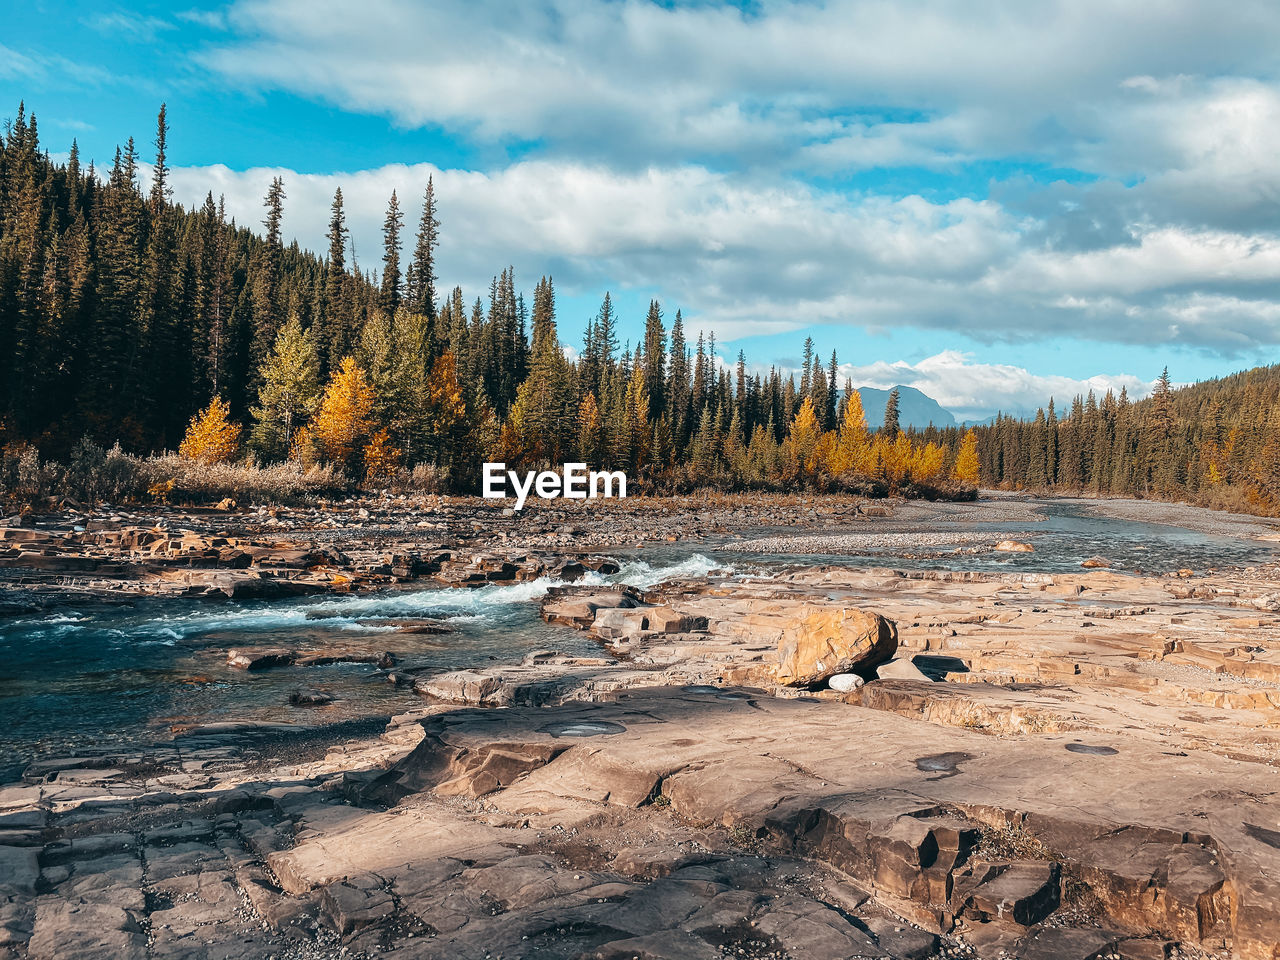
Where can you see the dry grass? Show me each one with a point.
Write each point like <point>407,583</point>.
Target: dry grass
<point>93,474</point>
<point>1011,841</point>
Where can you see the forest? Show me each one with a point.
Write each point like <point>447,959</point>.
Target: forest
<point>140,340</point>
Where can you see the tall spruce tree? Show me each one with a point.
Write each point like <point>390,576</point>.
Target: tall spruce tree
<point>267,277</point>
<point>891,426</point>
<point>391,279</point>
<point>421,293</point>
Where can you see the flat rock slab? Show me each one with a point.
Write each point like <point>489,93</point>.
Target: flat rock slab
<point>783,768</point>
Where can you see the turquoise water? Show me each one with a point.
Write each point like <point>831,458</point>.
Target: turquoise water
<point>138,674</point>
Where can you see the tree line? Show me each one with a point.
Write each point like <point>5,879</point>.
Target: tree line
<point>1216,442</point>
<point>125,317</point>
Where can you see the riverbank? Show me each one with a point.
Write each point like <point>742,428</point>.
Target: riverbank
<point>111,554</point>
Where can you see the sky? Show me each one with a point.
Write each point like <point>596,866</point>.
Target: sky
<point>993,202</point>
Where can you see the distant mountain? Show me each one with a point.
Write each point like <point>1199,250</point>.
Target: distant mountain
<point>915,409</point>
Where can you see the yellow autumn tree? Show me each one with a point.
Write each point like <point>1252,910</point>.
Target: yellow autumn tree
<point>446,411</point>
<point>211,436</point>
<point>891,459</point>
<point>852,454</point>
<point>591,447</point>
<point>966,466</point>
<point>802,441</point>
<point>826,454</point>
<point>342,426</point>
<point>927,463</point>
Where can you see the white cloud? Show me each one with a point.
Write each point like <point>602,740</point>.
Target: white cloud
<point>973,391</point>
<point>839,84</point>
<point>14,64</point>
<point>748,256</point>
<point>133,26</point>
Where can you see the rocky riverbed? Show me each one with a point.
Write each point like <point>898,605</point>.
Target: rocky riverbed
<point>1022,763</point>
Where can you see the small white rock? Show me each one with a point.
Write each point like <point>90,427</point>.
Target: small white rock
<point>845,682</point>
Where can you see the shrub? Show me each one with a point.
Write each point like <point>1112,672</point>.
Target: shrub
<point>84,470</point>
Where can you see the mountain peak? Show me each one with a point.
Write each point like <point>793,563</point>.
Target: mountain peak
<point>915,408</point>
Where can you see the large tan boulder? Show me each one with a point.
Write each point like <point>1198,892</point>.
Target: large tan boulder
<point>824,641</point>
<point>1014,546</point>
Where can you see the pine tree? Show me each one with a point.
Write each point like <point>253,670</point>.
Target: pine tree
<point>833,371</point>
<point>821,393</point>
<point>544,411</point>
<point>806,364</point>
<point>655,360</point>
<point>677,389</point>
<point>891,427</point>
<point>168,337</point>
<point>604,343</point>
<point>336,332</point>
<point>421,294</point>
<point>266,283</point>
<point>391,279</point>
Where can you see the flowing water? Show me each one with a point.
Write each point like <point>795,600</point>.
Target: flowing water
<point>1065,537</point>
<point>125,675</point>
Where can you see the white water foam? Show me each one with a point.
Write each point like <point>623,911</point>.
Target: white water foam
<point>643,575</point>
<point>354,613</point>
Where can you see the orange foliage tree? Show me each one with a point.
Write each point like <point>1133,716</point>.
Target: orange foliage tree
<point>211,436</point>
<point>381,456</point>
<point>342,426</point>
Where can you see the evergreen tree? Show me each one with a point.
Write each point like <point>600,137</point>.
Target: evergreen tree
<point>891,427</point>
<point>421,293</point>
<point>655,360</point>
<point>267,276</point>
<point>391,280</point>
<point>336,332</point>
<point>677,389</point>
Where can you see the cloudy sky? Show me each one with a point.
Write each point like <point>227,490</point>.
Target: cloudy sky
<point>994,202</point>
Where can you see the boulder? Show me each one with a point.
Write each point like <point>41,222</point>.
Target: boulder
<point>260,659</point>
<point>461,686</point>
<point>578,608</point>
<point>900,669</point>
<point>824,641</point>
<point>1023,891</point>
<point>310,698</point>
<point>1014,546</point>
<point>1096,563</point>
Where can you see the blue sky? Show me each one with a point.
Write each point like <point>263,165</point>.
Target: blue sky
<point>992,202</point>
